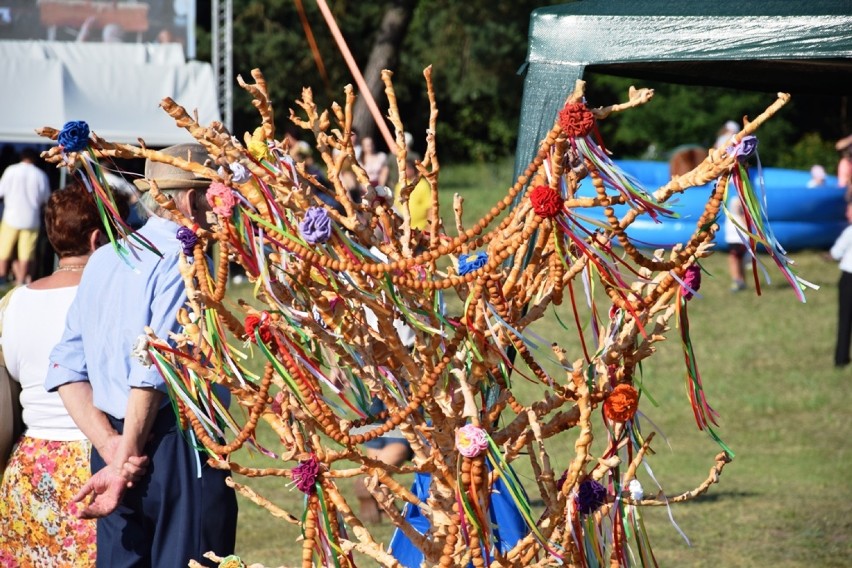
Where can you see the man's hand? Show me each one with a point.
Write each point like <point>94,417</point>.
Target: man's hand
<point>103,492</point>
<point>132,469</point>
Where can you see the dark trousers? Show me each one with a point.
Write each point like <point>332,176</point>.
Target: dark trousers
<point>171,515</point>
<point>844,319</point>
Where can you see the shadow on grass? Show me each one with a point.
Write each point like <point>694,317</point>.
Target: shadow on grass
<point>716,496</point>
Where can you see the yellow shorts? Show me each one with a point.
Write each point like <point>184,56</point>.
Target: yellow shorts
<point>26,239</point>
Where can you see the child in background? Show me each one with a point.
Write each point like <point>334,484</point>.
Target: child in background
<point>817,176</point>
<point>728,131</point>
<point>736,248</point>
<point>842,251</point>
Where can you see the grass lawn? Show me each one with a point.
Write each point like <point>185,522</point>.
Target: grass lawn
<point>767,367</point>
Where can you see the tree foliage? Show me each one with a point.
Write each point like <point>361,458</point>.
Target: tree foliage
<point>798,137</point>
<point>475,49</point>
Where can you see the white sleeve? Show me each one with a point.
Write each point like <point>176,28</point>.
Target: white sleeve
<point>843,242</point>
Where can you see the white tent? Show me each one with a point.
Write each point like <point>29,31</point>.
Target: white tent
<point>115,88</point>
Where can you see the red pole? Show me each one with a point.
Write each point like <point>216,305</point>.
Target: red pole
<point>356,73</point>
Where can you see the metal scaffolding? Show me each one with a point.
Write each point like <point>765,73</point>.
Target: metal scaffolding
<point>223,57</point>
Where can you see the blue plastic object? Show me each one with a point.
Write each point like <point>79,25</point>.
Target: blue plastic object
<point>505,517</point>
<point>800,217</point>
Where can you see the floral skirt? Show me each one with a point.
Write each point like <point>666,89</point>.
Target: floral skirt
<point>38,528</point>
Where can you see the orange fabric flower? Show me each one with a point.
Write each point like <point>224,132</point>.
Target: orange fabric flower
<point>576,120</point>
<point>621,404</point>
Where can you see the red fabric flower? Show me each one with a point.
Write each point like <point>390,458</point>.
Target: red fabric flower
<point>255,320</point>
<point>576,120</point>
<point>621,404</point>
<point>546,202</point>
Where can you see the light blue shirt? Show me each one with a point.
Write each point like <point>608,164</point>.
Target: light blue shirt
<point>842,249</point>
<point>113,305</point>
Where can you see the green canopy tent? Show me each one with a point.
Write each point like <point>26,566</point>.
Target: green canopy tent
<point>763,45</point>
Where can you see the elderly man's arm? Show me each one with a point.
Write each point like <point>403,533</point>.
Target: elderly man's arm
<point>105,489</point>
<point>77,398</point>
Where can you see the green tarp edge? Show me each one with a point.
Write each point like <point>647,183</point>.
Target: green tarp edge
<point>566,39</point>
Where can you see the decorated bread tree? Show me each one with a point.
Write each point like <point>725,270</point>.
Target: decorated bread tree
<point>434,323</point>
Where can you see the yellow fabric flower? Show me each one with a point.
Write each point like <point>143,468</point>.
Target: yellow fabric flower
<point>257,145</point>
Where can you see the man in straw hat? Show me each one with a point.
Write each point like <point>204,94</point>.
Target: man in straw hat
<point>178,508</point>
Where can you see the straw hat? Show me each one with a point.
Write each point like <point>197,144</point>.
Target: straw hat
<point>168,176</point>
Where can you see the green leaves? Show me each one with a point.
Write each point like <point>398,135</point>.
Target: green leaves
<point>684,114</point>
<point>476,48</point>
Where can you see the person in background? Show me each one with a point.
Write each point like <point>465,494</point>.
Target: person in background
<point>391,448</point>
<point>356,143</point>
<point>181,507</point>
<point>111,33</point>
<point>126,191</point>
<point>842,251</point>
<point>686,158</point>
<point>393,166</point>
<point>50,462</point>
<point>817,176</point>
<point>728,131</point>
<point>24,189</point>
<point>375,163</point>
<point>303,153</point>
<point>734,222</point>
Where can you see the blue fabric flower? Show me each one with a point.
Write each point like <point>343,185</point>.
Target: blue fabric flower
<point>74,136</point>
<point>471,262</point>
<point>316,226</point>
<point>187,238</point>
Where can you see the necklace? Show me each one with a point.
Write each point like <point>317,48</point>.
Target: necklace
<point>70,268</point>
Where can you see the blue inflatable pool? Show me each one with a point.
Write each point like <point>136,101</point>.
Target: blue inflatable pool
<point>801,217</point>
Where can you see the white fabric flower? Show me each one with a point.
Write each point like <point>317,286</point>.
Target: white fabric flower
<point>636,491</point>
<point>140,351</point>
<point>239,173</point>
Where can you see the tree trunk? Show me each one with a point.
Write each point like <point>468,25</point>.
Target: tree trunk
<point>384,55</point>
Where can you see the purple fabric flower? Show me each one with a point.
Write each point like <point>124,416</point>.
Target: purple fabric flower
<point>187,238</point>
<point>745,149</point>
<point>316,226</point>
<point>590,496</point>
<point>305,474</point>
<point>692,279</point>
<point>471,262</point>
<point>74,136</point>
